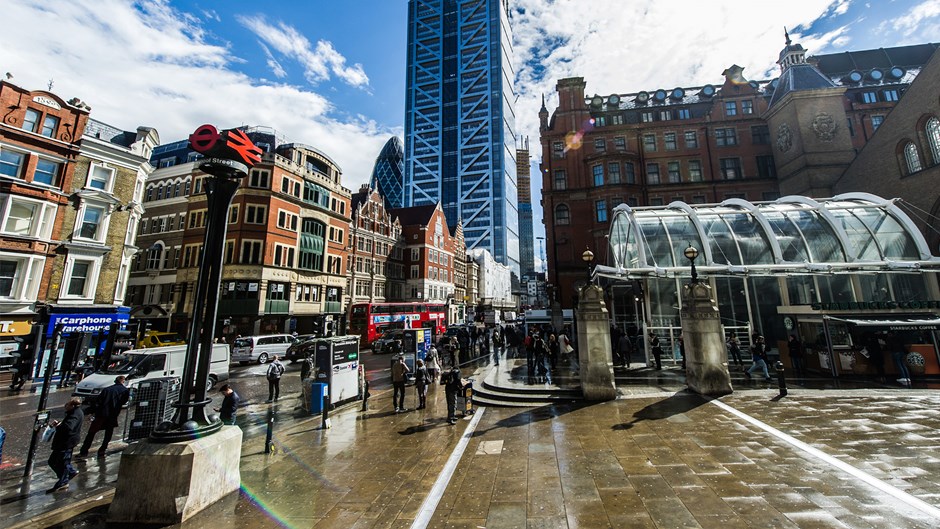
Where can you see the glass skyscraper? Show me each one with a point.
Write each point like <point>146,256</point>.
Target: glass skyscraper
<point>388,173</point>
<point>459,120</point>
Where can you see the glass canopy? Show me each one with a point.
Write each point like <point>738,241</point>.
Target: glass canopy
<point>792,235</point>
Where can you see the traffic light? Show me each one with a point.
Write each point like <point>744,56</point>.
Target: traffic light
<point>119,340</point>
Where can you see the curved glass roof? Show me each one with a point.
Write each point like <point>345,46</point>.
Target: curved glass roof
<point>794,234</point>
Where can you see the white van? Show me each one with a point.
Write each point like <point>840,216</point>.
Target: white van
<point>261,349</point>
<point>156,362</point>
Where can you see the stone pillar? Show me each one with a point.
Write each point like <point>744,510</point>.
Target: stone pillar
<point>706,358</point>
<point>594,353</point>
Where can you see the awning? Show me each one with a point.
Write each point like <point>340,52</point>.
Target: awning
<point>909,323</point>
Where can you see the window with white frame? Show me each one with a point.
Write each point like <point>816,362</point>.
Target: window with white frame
<point>286,220</point>
<point>415,254</point>
<point>11,163</point>
<point>251,252</point>
<point>47,172</point>
<point>933,138</point>
<point>414,271</point>
<point>912,158</point>
<point>93,222</point>
<point>20,276</point>
<point>255,214</point>
<point>81,280</point>
<point>31,120</point>
<point>259,179</point>
<point>49,126</point>
<point>100,177</point>
<point>26,217</point>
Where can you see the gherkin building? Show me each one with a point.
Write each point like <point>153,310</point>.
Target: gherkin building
<point>387,174</point>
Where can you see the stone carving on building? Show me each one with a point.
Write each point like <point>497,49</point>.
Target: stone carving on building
<point>825,127</point>
<point>784,137</point>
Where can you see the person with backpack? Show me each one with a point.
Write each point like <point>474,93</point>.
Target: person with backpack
<point>422,380</point>
<point>107,406</point>
<point>453,384</point>
<point>275,370</point>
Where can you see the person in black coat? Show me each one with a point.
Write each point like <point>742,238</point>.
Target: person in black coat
<point>230,402</point>
<point>67,434</point>
<point>106,409</point>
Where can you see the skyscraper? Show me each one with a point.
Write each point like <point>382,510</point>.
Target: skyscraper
<point>526,238</point>
<point>387,174</point>
<point>459,121</point>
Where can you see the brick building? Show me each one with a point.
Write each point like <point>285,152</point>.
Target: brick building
<point>742,139</point>
<point>373,276</point>
<point>428,253</point>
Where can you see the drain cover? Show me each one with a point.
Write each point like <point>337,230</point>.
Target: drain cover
<point>490,448</point>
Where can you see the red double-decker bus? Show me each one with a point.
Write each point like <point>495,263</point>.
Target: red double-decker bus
<point>370,320</point>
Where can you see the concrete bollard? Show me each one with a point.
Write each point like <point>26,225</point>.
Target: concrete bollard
<point>781,378</point>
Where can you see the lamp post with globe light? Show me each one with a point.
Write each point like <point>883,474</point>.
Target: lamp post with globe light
<point>691,253</point>
<point>587,257</point>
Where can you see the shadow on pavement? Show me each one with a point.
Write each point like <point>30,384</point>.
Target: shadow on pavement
<point>680,402</point>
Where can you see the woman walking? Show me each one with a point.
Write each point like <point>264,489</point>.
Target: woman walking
<point>421,383</point>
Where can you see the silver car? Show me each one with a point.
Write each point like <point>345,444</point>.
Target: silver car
<point>261,349</point>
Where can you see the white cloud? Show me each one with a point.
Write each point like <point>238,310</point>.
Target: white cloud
<point>318,62</point>
<point>275,66</point>
<point>149,64</point>
<point>923,16</point>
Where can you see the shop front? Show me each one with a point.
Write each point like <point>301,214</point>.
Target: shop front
<point>840,274</point>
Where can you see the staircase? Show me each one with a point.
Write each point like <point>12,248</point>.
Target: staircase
<point>507,386</point>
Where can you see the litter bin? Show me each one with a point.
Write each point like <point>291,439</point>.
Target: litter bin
<point>314,394</point>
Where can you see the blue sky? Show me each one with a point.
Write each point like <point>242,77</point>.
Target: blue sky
<point>332,74</point>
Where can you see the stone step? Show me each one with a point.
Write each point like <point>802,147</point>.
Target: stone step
<point>527,390</point>
<point>490,395</point>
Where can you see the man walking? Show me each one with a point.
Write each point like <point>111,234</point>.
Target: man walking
<point>67,434</point>
<point>107,407</point>
<point>399,373</point>
<point>657,349</point>
<point>230,402</point>
<point>759,355</point>
<point>275,370</point>
<point>452,385</point>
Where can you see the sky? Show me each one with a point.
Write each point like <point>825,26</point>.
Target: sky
<point>332,74</point>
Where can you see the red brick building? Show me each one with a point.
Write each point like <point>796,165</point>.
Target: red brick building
<point>428,253</point>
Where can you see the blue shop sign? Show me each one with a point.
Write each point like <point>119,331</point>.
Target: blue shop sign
<point>90,323</point>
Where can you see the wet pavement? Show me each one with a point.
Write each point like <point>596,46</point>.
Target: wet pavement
<point>823,456</point>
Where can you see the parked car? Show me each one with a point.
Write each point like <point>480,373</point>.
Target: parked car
<point>301,348</point>
<point>389,342</point>
<point>261,349</point>
<point>159,339</point>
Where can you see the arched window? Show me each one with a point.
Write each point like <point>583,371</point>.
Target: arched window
<point>912,158</point>
<point>933,139</point>
<point>153,257</point>
<point>562,216</point>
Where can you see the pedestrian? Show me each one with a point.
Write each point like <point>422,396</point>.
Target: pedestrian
<point>657,350</point>
<point>759,356</point>
<point>20,371</point>
<point>399,375</point>
<point>106,408</point>
<point>734,348</point>
<point>67,434</point>
<point>899,355</point>
<point>553,348</point>
<point>422,379</point>
<point>876,354</point>
<point>795,348</point>
<point>452,385</point>
<point>541,353</point>
<point>433,363</point>
<point>308,368</point>
<point>529,344</point>
<point>275,370</point>
<point>230,403</point>
<point>497,346</point>
<point>625,348</point>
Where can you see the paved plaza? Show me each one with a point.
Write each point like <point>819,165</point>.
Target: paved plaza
<point>662,458</point>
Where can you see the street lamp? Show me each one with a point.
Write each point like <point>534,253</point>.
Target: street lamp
<point>587,257</point>
<point>691,253</point>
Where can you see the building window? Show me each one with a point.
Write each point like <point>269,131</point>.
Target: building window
<point>656,201</point>
<point>415,271</point>
<point>79,279</point>
<point>684,113</point>
<point>876,122</point>
<point>698,199</point>
<point>769,196</point>
<point>616,119</point>
<point>933,138</point>
<point>730,168</point>
<point>613,172</point>
<point>674,175</point>
<point>652,173</point>
<point>562,215</point>
<point>649,142</point>
<point>49,126</point>
<point>153,257</point>
<point>233,214</point>
<point>869,97</point>
<point>31,120</point>
<point>600,210</point>
<point>46,173</point>
<point>167,162</point>
<point>598,172</point>
<point>890,95</point>
<point>600,121</point>
<point>760,135</point>
<point>256,214</point>
<point>100,177</point>
<point>765,167</point>
<point>561,179</point>
<point>600,145</point>
<point>633,202</point>
<point>747,107</point>
<point>11,163</point>
<point>695,171</point>
<point>286,220</point>
<point>258,179</point>
<point>91,223</point>
<point>912,158</point>
<point>630,170</point>
<point>731,108</point>
<point>665,115</point>
<point>27,218</point>
<point>725,137</point>
<point>250,252</point>
<point>620,143</point>
<point>558,149</point>
<point>691,139</point>
<point>646,117</point>
<point>851,124</point>
<point>669,139</point>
